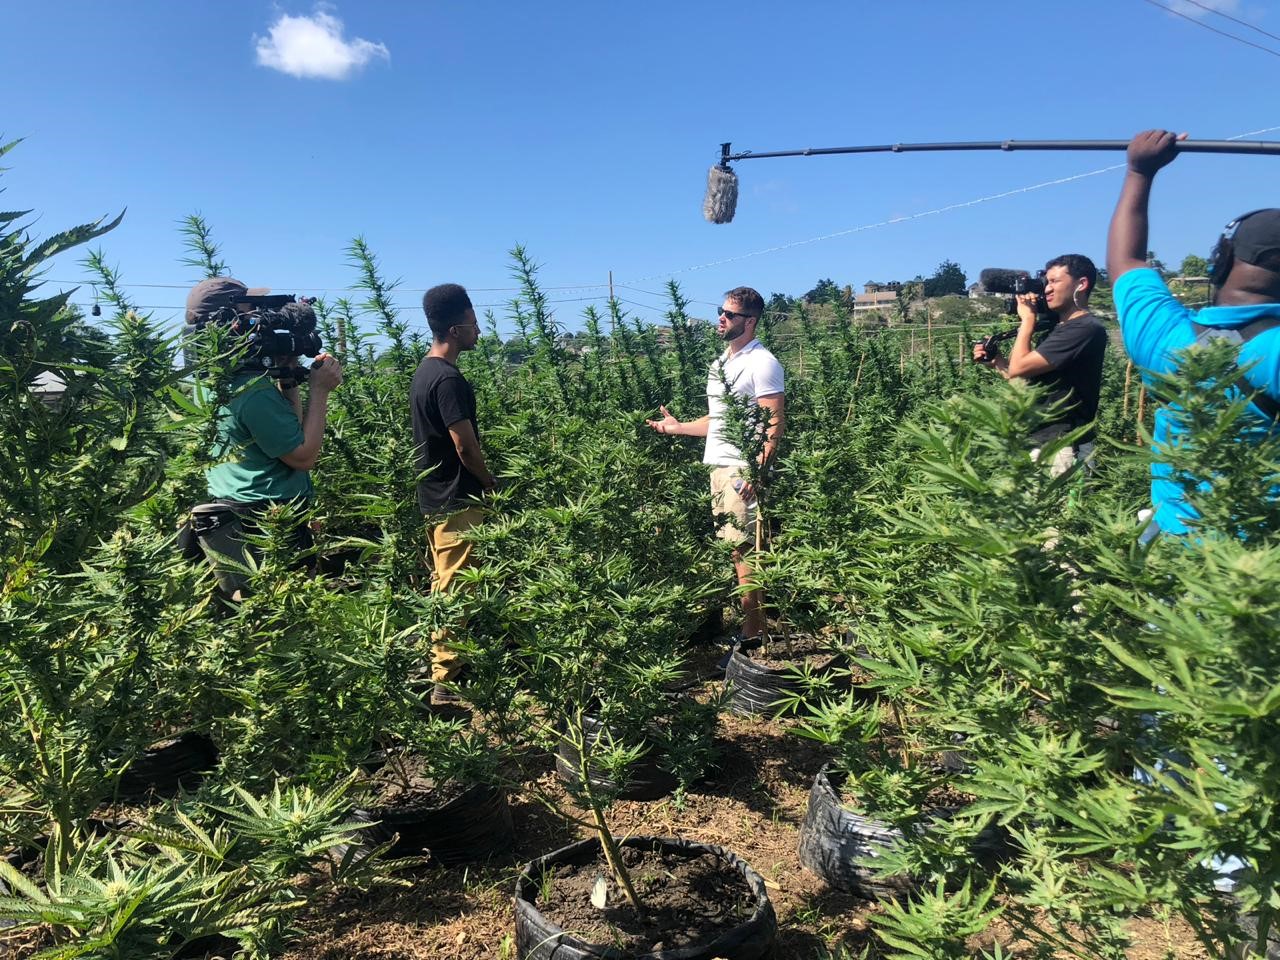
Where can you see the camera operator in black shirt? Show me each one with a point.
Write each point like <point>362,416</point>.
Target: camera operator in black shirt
<point>1067,361</point>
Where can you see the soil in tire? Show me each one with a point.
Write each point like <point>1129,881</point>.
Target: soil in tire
<point>687,901</point>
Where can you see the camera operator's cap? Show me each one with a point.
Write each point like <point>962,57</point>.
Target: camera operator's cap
<point>1256,236</point>
<point>209,296</point>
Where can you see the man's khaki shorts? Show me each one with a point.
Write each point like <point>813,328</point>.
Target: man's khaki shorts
<point>737,517</point>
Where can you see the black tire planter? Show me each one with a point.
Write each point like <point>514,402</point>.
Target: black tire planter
<point>754,689</point>
<point>168,766</point>
<point>472,826</point>
<point>646,780</point>
<point>836,844</point>
<point>537,938</point>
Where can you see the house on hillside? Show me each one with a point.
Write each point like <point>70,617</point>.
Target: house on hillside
<point>882,298</point>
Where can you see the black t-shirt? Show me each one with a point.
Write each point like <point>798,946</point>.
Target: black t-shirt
<point>1075,348</point>
<point>440,397</point>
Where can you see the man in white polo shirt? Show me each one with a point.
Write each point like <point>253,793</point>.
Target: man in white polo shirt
<point>754,373</point>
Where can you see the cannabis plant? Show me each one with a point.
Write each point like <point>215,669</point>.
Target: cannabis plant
<point>188,876</point>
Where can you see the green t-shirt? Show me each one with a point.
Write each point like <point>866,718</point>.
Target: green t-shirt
<point>255,429</point>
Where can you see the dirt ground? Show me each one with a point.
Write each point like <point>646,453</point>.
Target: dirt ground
<point>753,805</point>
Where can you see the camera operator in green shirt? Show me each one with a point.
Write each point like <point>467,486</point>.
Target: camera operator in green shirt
<point>266,444</point>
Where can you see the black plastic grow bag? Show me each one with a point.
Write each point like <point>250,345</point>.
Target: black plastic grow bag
<point>537,938</point>
<point>646,780</point>
<point>472,826</point>
<point>839,846</point>
<point>755,689</point>
<point>168,766</point>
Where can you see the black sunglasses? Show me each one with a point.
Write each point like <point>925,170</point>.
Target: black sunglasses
<point>732,315</point>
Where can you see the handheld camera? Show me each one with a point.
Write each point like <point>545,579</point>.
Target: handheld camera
<point>275,326</point>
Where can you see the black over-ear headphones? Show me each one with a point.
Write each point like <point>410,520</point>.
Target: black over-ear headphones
<point>1223,255</point>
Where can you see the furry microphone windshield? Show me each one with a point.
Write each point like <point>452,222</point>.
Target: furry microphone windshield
<point>722,194</point>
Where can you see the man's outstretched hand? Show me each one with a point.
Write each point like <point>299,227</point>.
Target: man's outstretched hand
<point>667,424</point>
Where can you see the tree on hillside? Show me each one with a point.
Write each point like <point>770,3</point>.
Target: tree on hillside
<point>825,291</point>
<point>779,303</point>
<point>1156,264</point>
<point>1193,266</point>
<point>947,279</point>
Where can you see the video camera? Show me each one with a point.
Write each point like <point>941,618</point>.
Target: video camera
<point>277,325</point>
<point>1015,283</point>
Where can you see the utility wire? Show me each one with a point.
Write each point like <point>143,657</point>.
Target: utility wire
<point>630,284</point>
<point>1227,16</point>
<point>287,286</point>
<point>1221,33</point>
<point>394,306</point>
<point>881,223</point>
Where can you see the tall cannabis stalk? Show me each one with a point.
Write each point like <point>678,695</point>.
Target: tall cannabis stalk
<point>202,253</point>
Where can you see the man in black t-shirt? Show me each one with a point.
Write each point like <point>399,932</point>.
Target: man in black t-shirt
<point>1068,360</point>
<point>453,474</point>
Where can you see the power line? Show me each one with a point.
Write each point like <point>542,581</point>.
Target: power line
<point>883,223</point>
<point>1220,13</point>
<point>630,284</point>
<point>1221,33</point>
<point>394,306</point>
<point>288,286</point>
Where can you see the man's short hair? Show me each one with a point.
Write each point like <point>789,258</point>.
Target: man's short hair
<point>1078,266</point>
<point>445,305</point>
<point>749,300</point>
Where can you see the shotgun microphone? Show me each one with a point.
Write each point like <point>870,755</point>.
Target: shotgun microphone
<point>1016,282</point>
<point>998,280</point>
<point>722,194</point>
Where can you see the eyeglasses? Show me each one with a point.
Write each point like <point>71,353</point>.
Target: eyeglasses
<point>732,315</point>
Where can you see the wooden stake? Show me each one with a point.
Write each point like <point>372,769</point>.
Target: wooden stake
<point>610,284</point>
<point>1142,406</point>
<point>1128,375</point>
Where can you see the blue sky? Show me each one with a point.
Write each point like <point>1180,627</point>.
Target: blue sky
<point>446,132</point>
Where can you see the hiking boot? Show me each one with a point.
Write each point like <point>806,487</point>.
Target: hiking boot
<point>442,696</point>
<point>445,697</point>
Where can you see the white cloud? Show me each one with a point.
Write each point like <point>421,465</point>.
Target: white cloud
<point>314,48</point>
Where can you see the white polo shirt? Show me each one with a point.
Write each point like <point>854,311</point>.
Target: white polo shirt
<point>752,372</point>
